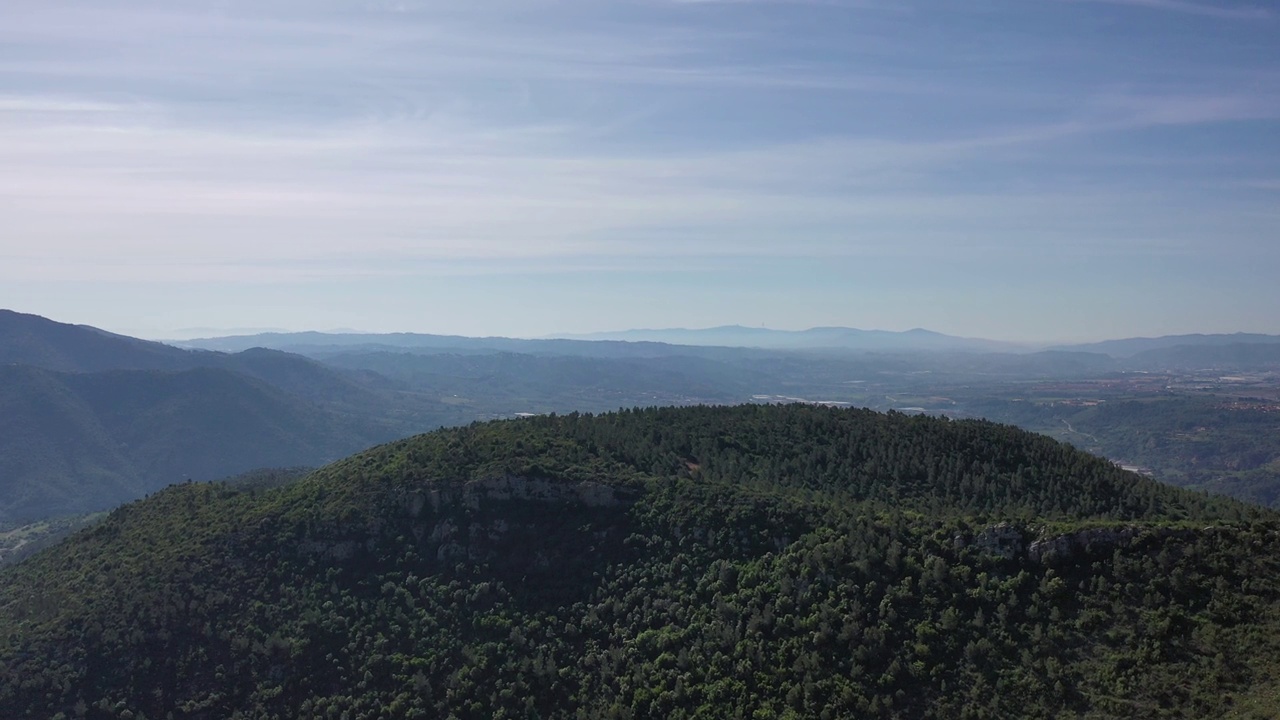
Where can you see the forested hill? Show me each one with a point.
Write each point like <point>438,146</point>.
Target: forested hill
<point>753,561</point>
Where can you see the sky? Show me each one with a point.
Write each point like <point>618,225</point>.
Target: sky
<point>1035,170</point>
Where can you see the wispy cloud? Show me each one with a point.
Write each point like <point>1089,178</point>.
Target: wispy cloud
<point>306,205</point>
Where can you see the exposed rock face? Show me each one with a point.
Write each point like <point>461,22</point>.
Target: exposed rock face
<point>1006,541</point>
<point>1062,547</point>
<point>1003,540</point>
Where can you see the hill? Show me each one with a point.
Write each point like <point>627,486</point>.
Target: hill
<point>78,442</point>
<point>1259,355</point>
<point>766,561</point>
<point>1128,347</point>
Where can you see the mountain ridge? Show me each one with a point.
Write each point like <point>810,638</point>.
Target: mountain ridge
<point>815,338</point>
<point>673,341</point>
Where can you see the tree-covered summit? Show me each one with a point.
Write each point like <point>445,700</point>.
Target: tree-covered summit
<point>753,561</point>
<point>926,463</point>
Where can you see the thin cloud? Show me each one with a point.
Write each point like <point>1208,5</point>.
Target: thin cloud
<point>277,144</point>
<point>415,202</point>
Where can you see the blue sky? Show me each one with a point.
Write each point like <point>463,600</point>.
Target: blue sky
<point>1026,170</point>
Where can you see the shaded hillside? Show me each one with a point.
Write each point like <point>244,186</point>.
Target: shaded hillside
<point>308,379</point>
<point>43,343</point>
<point>94,419</point>
<point>78,442</point>
<point>703,562</point>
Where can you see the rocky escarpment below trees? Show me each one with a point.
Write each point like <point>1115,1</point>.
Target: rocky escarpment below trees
<point>1011,541</point>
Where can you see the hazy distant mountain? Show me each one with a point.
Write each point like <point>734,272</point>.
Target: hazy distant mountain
<point>1042,365</point>
<point>1235,355</point>
<point>1128,347</point>
<point>198,332</point>
<point>324,345</point>
<point>814,338</point>
<point>710,342</point>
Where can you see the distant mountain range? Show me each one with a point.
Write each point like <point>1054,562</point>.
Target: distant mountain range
<point>90,418</point>
<point>626,343</point>
<point>707,342</point>
<point>818,338</point>
<point>323,345</point>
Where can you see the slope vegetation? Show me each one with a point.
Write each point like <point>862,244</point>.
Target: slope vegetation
<point>700,562</point>
<point>75,443</point>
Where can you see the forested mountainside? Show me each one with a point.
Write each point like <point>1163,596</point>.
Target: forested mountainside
<point>751,561</point>
<point>79,442</point>
<point>20,541</point>
<point>90,419</point>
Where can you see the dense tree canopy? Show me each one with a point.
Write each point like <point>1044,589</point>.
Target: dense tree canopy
<point>750,561</point>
